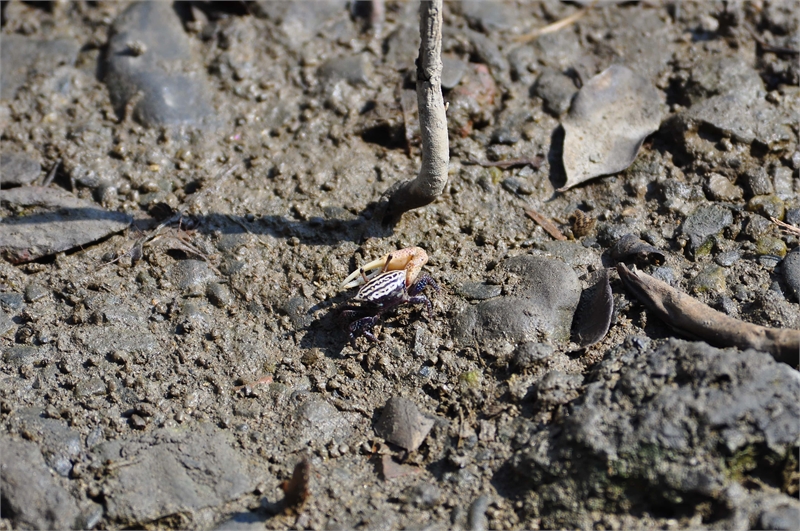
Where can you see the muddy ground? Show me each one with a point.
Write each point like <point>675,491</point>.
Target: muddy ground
<point>172,376</point>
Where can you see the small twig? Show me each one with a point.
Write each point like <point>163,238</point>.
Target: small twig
<point>548,226</point>
<point>768,47</point>
<point>555,26</point>
<point>535,163</point>
<point>432,177</point>
<point>48,179</point>
<point>791,229</point>
<point>688,316</point>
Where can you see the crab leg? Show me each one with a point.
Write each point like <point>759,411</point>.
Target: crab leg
<point>411,259</point>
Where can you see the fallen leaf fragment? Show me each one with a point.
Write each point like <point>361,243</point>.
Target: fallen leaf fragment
<point>688,316</point>
<point>595,310</point>
<point>403,424</point>
<point>608,121</point>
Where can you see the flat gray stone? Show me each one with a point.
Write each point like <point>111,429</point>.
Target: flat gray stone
<point>32,498</point>
<point>172,471</point>
<point>744,119</point>
<point>54,220</point>
<point>18,169</point>
<point>541,295</point>
<point>22,56</point>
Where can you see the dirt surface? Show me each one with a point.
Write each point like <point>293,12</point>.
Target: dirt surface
<point>172,376</point>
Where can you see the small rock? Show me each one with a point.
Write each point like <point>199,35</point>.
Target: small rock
<point>34,292</point>
<point>791,272</point>
<point>557,388</point>
<point>477,513</point>
<point>793,217</point>
<point>784,183</point>
<point>711,279</point>
<point>219,294</point>
<point>728,258</point>
<point>23,56</point>
<point>403,424</point>
<point>356,69</point>
<point>17,169</point>
<point>391,470</point>
<point>529,354</point>
<point>705,223</point>
<point>769,206</point>
<point>719,188</point>
<point>715,76</point>
<point>170,93</point>
<point>769,245</point>
<point>424,495</point>
<point>555,89</point>
<point>757,182</point>
<point>488,16</point>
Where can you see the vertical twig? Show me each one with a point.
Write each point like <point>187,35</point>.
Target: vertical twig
<point>432,177</point>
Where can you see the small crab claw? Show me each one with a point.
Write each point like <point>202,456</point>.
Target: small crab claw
<point>411,259</point>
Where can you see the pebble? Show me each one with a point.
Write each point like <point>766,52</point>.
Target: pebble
<point>770,245</point>
<point>728,258</point>
<point>703,224</point>
<point>403,424</point>
<point>792,217</point>
<point>219,294</point>
<point>719,188</point>
<point>711,279</point>
<point>555,89</point>
<point>169,93</point>
<point>769,206</point>
<point>489,16</point>
<point>757,182</point>
<point>791,272</point>
<point>34,292</point>
<point>355,69</point>
<point>783,182</point>
<point>530,353</point>
<point>18,169</point>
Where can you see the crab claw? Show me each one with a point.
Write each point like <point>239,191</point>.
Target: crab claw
<point>411,259</point>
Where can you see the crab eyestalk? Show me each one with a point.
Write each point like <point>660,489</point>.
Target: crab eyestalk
<point>411,259</point>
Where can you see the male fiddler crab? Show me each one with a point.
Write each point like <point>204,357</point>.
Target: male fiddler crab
<point>396,282</point>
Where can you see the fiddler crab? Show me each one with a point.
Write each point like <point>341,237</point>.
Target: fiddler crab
<point>396,282</point>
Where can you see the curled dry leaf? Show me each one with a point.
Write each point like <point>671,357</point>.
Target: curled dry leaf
<point>297,489</point>
<point>593,316</point>
<point>608,121</point>
<point>690,317</point>
<point>630,246</point>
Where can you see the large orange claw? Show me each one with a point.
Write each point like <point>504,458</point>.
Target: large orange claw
<point>411,259</point>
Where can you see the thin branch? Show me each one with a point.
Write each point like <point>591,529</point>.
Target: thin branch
<point>555,26</point>
<point>692,318</point>
<point>432,177</point>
